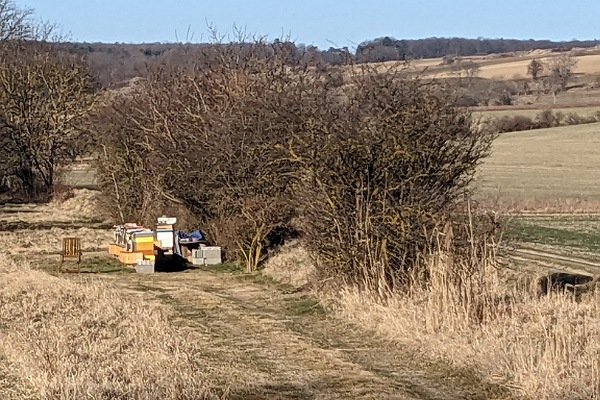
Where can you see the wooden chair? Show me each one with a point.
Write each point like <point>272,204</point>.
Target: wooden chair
<point>71,248</point>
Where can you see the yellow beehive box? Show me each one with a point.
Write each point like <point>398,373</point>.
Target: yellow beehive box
<point>130,258</point>
<point>148,239</point>
<point>151,258</point>
<point>144,247</point>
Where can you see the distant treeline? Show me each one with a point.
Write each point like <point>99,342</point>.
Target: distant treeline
<point>389,49</point>
<point>115,63</point>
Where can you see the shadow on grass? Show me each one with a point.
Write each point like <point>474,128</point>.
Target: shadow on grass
<point>282,391</point>
<point>95,265</point>
<point>11,226</point>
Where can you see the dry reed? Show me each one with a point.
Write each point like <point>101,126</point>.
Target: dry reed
<point>543,349</point>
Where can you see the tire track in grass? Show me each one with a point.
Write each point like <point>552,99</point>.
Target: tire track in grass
<point>284,345</point>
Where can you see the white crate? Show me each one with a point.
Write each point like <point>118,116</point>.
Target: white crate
<point>197,253</point>
<point>166,239</point>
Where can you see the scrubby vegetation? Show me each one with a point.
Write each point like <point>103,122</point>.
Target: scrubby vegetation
<point>366,166</point>
<point>369,166</point>
<point>544,119</point>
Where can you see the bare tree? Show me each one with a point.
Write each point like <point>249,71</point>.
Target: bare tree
<point>470,70</point>
<point>535,68</point>
<point>14,21</point>
<point>561,72</point>
<point>44,97</point>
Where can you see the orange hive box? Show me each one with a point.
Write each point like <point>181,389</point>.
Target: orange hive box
<point>130,258</point>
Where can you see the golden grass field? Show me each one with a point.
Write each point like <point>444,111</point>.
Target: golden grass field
<point>107,333</point>
<point>509,67</point>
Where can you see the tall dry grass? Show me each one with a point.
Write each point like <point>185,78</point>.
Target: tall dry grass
<point>28,242</point>
<point>66,339</point>
<point>541,348</point>
<point>292,266</point>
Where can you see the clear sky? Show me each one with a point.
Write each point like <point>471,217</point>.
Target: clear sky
<point>322,23</point>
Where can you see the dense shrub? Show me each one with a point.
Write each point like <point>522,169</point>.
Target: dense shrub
<point>207,140</point>
<point>513,124</point>
<point>379,172</point>
<point>544,119</point>
<point>365,166</point>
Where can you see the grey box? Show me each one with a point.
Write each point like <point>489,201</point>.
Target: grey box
<point>145,267</point>
<point>208,255</point>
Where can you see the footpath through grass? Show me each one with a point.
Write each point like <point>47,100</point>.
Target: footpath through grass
<point>285,344</point>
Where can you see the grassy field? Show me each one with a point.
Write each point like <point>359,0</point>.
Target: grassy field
<point>508,67</point>
<point>533,112</point>
<point>219,333</point>
<point>543,169</point>
<point>557,242</point>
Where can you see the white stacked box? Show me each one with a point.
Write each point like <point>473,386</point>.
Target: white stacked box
<point>207,255</point>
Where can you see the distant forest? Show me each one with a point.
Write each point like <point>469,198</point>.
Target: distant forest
<point>115,64</point>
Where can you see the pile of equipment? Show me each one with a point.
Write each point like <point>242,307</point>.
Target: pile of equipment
<point>139,246</point>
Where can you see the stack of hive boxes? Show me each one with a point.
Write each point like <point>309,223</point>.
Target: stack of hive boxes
<point>132,243</point>
<point>142,242</point>
<point>165,233</point>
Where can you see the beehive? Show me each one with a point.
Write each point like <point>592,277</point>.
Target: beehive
<point>114,249</point>
<point>143,242</point>
<point>130,258</point>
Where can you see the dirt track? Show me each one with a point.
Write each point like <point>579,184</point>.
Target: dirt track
<point>282,345</point>
<point>555,262</point>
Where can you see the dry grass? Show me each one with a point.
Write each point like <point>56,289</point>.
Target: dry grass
<point>49,241</point>
<point>82,204</point>
<point>36,229</point>
<point>507,204</point>
<point>292,266</point>
<point>65,339</point>
<point>543,349</point>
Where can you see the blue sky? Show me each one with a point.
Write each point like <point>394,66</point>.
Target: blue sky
<point>322,23</point>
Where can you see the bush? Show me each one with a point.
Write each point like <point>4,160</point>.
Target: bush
<point>513,124</point>
<point>378,172</point>
<point>548,119</point>
<point>246,145</point>
<point>207,141</point>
